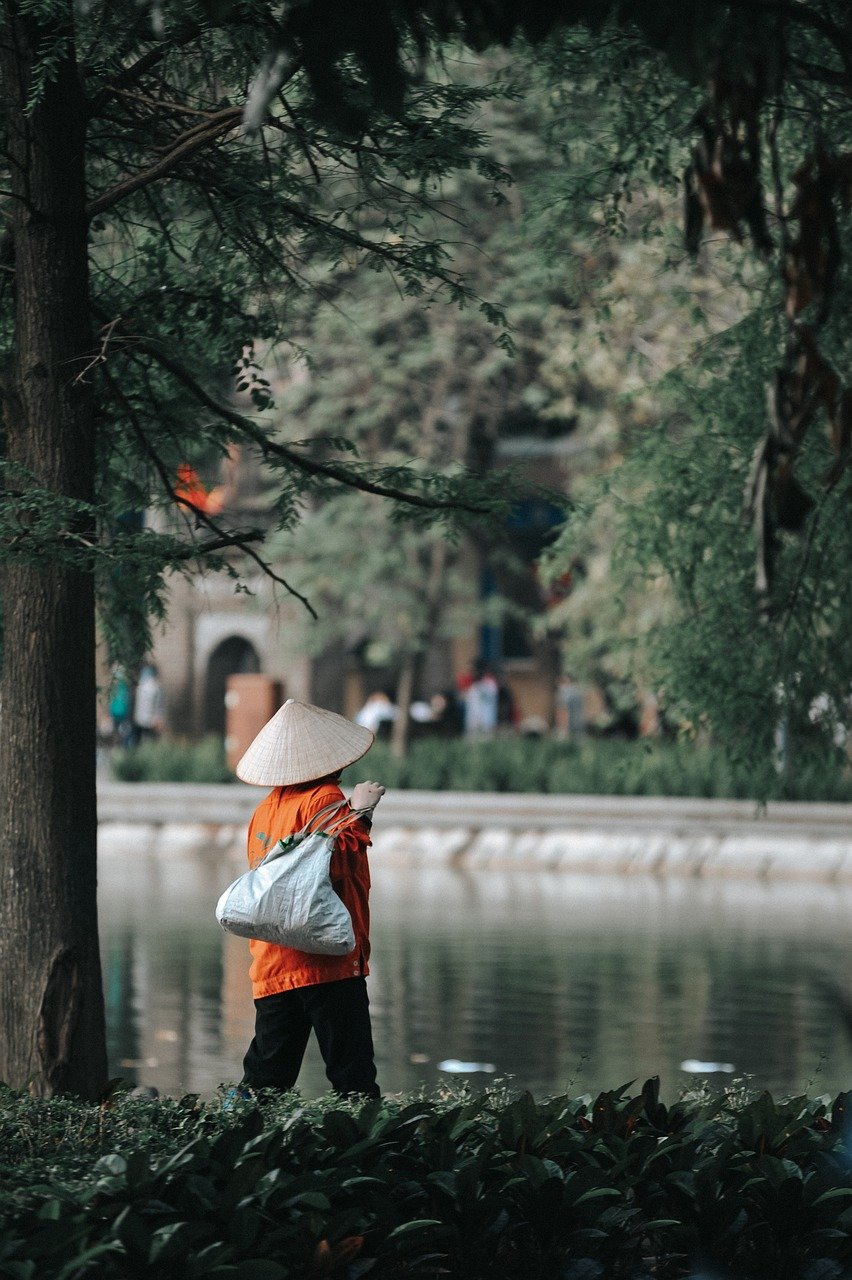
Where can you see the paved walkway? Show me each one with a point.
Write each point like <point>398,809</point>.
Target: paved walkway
<point>616,834</point>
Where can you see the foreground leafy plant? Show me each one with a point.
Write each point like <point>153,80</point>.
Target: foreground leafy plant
<point>465,1185</point>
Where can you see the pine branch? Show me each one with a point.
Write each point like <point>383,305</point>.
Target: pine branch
<point>297,130</point>
<point>393,257</point>
<point>162,104</point>
<point>825,75</point>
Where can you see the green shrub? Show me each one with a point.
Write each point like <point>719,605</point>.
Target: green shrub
<point>470,1186</point>
<point>172,760</point>
<point>597,766</point>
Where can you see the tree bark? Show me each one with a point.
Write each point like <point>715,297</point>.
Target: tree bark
<point>404,693</point>
<point>52,1036</point>
<point>412,664</point>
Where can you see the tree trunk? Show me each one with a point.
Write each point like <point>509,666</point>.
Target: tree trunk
<point>404,693</point>
<point>412,664</point>
<point>52,1035</point>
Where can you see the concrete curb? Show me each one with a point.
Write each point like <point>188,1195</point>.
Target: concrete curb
<point>608,834</point>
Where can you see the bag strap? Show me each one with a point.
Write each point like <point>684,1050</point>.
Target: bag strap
<point>314,823</point>
<point>335,828</point>
<point>318,821</point>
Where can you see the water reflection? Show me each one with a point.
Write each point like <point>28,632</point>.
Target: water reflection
<point>563,982</point>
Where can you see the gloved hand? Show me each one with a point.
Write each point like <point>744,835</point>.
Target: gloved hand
<point>366,795</point>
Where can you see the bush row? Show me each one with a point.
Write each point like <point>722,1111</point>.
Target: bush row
<point>596,767</point>
<point>601,766</point>
<point>172,760</point>
<point>493,1185</point>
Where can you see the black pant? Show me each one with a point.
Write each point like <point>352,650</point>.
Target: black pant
<point>339,1014</point>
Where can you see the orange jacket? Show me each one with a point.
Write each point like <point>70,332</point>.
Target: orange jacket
<point>285,810</point>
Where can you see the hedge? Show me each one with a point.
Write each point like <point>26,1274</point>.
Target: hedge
<point>595,767</point>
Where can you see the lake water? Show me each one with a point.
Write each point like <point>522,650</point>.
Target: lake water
<point>563,983</point>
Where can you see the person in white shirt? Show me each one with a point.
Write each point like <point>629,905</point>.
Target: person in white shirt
<point>149,707</point>
<point>481,702</point>
<point>377,711</point>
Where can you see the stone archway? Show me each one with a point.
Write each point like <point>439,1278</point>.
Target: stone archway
<point>232,656</point>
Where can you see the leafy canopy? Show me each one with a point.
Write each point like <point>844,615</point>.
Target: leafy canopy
<point>202,235</point>
<point>725,535</point>
<point>202,238</point>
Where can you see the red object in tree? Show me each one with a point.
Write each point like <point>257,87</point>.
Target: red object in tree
<point>190,489</point>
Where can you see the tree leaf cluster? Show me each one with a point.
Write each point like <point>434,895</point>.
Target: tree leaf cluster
<point>202,240</point>
<point>369,45</point>
<point>681,561</point>
<point>738,619</point>
<point>407,382</point>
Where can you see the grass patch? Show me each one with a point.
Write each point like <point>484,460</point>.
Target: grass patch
<point>493,1185</point>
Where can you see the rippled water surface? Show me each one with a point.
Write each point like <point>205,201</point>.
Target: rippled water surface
<point>561,982</point>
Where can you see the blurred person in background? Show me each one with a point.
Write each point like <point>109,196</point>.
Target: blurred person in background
<point>149,707</point>
<point>121,708</point>
<point>570,710</point>
<point>481,702</point>
<point>377,714</point>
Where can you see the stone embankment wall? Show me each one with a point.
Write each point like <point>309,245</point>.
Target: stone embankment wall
<point>606,834</point>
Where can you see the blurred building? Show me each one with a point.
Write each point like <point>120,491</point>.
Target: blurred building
<point>215,630</point>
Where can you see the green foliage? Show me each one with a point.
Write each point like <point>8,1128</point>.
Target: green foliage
<point>172,760</point>
<point>681,566</point>
<point>599,766</point>
<point>364,154</point>
<point>392,590</point>
<point>605,767</point>
<point>660,548</point>
<point>357,66</point>
<point>490,1185</point>
<point>427,389</point>
<point>202,241</point>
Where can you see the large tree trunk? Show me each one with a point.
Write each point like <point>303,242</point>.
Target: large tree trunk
<point>51,1002</point>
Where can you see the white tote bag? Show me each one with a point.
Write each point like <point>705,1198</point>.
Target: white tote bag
<point>287,898</point>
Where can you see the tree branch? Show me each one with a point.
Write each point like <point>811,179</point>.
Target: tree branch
<point>162,104</point>
<point>190,142</point>
<point>213,125</point>
<point>134,73</point>
<point>375,247</point>
<point>299,134</point>
<point>271,448</point>
<point>825,75</point>
<point>223,538</point>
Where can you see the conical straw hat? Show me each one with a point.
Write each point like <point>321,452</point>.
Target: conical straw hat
<point>300,743</point>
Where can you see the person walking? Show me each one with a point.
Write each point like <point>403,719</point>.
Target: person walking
<point>300,754</point>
